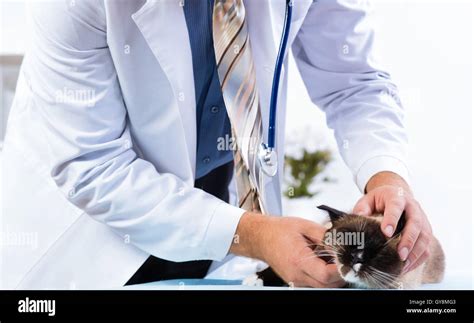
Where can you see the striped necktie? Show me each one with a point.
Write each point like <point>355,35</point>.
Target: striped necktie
<point>236,72</point>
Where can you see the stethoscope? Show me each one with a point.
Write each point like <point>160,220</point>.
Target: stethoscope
<point>267,155</point>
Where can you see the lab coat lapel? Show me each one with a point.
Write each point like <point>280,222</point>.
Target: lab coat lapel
<point>163,25</point>
<point>264,51</point>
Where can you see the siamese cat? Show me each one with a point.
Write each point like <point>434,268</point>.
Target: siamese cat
<point>366,258</point>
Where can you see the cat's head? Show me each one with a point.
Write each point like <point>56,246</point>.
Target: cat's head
<point>364,256</point>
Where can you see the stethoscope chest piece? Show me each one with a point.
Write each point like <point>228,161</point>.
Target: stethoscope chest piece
<point>268,160</point>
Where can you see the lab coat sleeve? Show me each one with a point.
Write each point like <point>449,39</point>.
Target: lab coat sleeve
<point>334,53</point>
<point>76,96</point>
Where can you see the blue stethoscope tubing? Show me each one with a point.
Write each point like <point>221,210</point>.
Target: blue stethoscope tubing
<point>267,155</point>
<point>277,75</point>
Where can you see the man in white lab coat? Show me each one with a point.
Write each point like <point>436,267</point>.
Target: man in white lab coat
<point>109,161</point>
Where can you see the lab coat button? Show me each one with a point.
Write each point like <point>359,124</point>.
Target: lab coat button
<point>215,109</point>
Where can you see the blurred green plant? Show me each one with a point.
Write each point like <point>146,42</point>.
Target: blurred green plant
<point>304,170</point>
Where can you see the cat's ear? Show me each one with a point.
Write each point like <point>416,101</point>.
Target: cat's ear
<point>334,214</point>
<point>401,224</point>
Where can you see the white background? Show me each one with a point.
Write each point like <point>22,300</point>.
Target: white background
<point>427,47</point>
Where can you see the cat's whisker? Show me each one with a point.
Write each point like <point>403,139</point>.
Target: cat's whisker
<point>335,248</point>
<point>362,226</point>
<point>315,246</point>
<point>384,284</point>
<point>378,273</point>
<point>330,253</point>
<point>381,278</point>
<point>315,241</point>
<point>371,281</point>
<point>313,253</point>
<point>383,273</point>
<point>365,225</point>
<point>325,252</point>
<point>309,257</point>
<point>325,255</point>
<point>389,240</point>
<point>379,282</point>
<point>319,254</point>
<point>390,277</point>
<point>375,282</point>
<point>327,248</point>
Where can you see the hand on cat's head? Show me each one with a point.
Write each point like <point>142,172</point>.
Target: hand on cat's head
<point>389,194</point>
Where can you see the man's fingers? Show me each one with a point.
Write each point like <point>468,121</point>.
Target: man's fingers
<point>410,235</point>
<point>419,250</point>
<point>306,280</point>
<point>392,213</point>
<point>365,205</point>
<point>318,284</point>
<point>309,281</point>
<point>333,277</point>
<point>321,271</point>
<point>314,232</point>
<point>410,266</point>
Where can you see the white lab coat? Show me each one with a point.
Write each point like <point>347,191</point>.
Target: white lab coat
<point>99,157</point>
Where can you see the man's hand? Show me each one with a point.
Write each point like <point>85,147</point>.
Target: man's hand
<point>285,244</point>
<point>389,193</point>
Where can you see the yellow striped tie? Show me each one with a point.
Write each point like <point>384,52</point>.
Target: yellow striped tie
<point>238,81</point>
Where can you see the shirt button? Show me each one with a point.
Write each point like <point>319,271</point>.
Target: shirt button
<point>206,160</point>
<point>215,109</point>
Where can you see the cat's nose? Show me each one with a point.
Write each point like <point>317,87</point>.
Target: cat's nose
<point>355,261</point>
<point>356,257</point>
